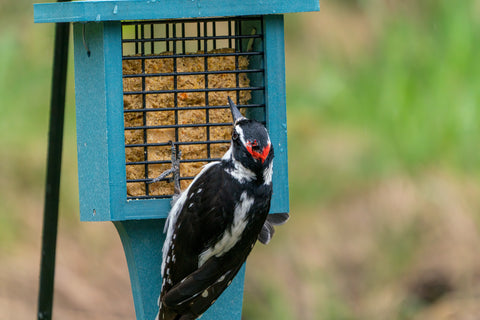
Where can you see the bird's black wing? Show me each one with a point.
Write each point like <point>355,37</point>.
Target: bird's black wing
<point>198,291</point>
<point>208,207</point>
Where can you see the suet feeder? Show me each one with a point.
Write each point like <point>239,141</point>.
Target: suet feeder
<point>152,74</point>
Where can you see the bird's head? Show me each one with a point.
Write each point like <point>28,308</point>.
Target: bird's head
<point>251,143</point>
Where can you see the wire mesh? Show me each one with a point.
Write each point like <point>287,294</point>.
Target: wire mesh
<point>177,75</point>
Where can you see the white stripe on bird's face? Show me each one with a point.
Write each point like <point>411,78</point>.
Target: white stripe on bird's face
<point>238,129</point>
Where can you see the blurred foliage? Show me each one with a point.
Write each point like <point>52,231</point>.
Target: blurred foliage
<point>26,52</point>
<point>412,98</point>
<point>402,99</point>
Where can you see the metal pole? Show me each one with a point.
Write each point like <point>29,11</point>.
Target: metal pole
<point>54,162</point>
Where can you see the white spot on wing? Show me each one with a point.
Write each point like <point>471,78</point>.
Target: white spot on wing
<point>205,294</point>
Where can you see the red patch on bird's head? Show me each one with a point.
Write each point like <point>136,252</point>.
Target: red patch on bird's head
<point>255,154</point>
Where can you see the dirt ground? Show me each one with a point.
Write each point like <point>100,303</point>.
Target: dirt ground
<point>342,245</point>
<point>91,274</point>
<point>402,248</point>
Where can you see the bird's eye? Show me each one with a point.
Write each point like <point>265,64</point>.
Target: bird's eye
<point>234,135</point>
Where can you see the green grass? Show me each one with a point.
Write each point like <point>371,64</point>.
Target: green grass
<point>417,89</point>
<point>25,74</point>
<point>412,100</point>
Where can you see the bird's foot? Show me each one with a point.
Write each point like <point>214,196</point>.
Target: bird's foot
<point>175,170</point>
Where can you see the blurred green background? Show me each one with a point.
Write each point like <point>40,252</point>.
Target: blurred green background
<point>384,161</point>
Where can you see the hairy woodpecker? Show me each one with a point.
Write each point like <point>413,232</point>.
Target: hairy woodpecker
<point>214,224</point>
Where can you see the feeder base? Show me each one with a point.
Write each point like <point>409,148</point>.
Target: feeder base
<point>143,242</point>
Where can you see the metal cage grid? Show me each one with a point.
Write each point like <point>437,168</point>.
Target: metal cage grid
<point>158,51</point>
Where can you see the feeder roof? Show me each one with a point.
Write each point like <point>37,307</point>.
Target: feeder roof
<point>108,10</point>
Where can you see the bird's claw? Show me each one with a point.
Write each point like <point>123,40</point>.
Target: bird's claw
<point>175,169</point>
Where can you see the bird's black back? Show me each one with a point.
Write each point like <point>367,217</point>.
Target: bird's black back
<point>207,209</point>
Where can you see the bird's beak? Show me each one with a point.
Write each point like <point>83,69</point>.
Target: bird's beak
<point>236,115</point>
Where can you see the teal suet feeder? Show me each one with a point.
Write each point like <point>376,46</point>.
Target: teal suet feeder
<point>149,74</point>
